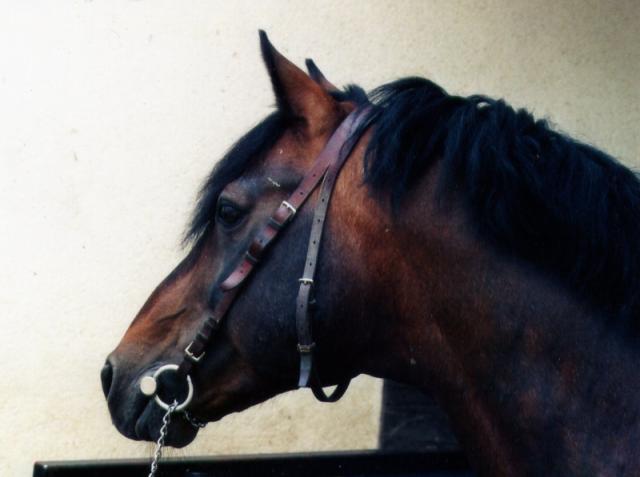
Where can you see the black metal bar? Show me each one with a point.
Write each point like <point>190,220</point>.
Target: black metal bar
<point>333,464</point>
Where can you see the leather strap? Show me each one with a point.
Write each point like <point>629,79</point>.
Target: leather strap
<point>325,168</point>
<point>308,371</point>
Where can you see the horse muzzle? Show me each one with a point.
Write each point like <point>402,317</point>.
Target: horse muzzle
<point>138,416</point>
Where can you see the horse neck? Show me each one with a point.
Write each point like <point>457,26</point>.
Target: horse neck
<point>535,383</point>
<point>533,380</point>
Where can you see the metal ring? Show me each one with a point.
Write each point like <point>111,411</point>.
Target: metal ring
<point>160,402</point>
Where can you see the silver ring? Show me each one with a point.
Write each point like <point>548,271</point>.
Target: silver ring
<point>160,402</point>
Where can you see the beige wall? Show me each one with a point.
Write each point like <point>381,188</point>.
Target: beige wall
<point>111,113</point>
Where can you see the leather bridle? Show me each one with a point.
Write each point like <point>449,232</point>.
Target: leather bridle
<point>324,172</point>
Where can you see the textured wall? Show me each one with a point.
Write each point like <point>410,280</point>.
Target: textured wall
<point>111,113</point>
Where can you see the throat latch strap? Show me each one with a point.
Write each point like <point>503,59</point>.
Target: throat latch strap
<point>308,372</point>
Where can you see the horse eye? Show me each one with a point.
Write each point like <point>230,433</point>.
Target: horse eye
<point>228,214</point>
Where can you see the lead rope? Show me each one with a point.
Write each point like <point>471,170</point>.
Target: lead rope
<point>166,420</point>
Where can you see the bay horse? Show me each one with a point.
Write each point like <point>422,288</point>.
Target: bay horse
<point>469,250</point>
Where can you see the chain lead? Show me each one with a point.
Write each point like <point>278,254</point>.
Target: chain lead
<point>166,419</point>
<point>195,422</point>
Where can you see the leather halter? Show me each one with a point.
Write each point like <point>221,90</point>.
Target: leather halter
<point>324,171</point>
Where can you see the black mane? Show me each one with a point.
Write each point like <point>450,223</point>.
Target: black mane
<point>532,192</point>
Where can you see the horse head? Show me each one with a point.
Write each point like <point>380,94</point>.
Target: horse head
<point>254,356</point>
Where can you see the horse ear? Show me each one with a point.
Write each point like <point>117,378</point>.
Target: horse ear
<point>296,93</point>
<point>319,78</point>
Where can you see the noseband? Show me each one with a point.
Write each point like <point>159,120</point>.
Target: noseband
<point>325,170</point>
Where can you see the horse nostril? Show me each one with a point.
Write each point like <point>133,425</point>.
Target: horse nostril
<point>106,376</point>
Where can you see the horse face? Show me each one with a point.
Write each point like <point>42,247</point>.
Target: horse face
<point>253,356</point>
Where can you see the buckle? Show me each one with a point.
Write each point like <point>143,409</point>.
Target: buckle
<point>306,348</point>
<point>290,212</point>
<point>192,357</point>
<point>287,205</point>
<point>306,281</point>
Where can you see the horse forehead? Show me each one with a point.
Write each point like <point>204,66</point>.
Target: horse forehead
<point>293,151</point>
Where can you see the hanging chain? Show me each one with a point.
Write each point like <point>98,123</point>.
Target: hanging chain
<point>194,421</point>
<point>166,419</point>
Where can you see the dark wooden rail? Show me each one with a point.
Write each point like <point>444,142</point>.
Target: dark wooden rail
<point>334,464</point>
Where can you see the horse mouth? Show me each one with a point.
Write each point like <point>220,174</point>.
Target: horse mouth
<point>140,419</point>
<point>146,427</point>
